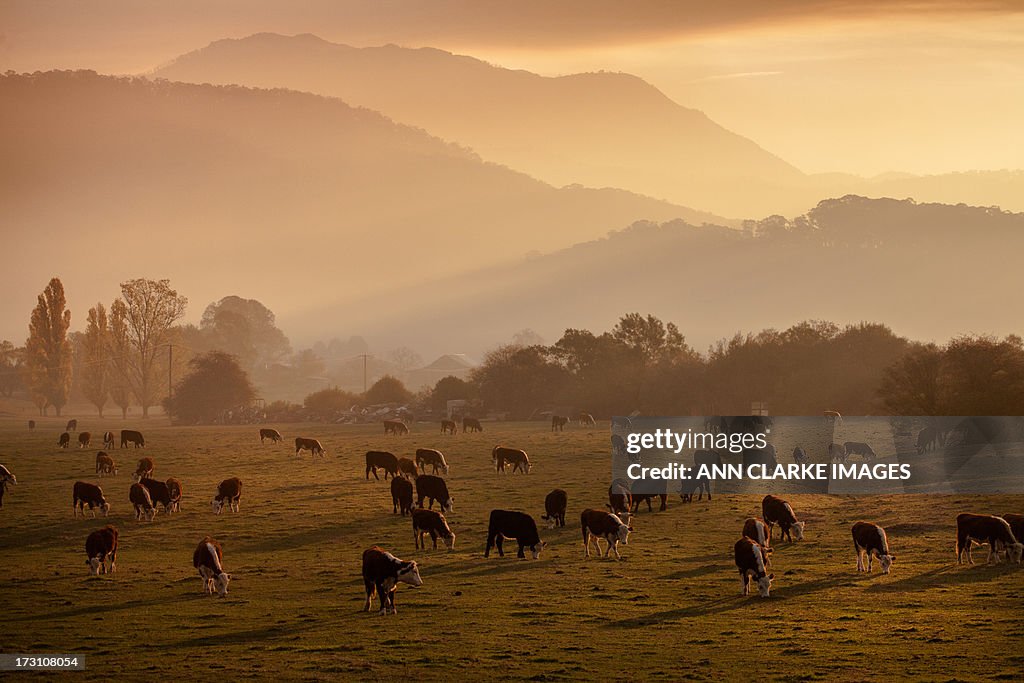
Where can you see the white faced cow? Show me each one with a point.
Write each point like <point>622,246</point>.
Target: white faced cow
<point>598,524</point>
<point>870,540</point>
<point>208,559</point>
<point>751,559</point>
<point>382,572</point>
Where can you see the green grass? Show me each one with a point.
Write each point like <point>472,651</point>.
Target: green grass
<point>670,609</point>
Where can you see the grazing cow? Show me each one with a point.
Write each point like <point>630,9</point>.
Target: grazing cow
<point>449,427</point>
<point>144,469</point>
<point>515,526</point>
<point>130,436</point>
<point>271,434</point>
<point>311,445</point>
<point>381,460</point>
<point>662,493</point>
<point>395,427</point>
<point>800,456</point>
<point>72,426</point>
<point>100,545</point>
<point>558,423</point>
<point>84,439</point>
<point>832,417</point>
<point>859,448</point>
<point>434,488</point>
<point>774,510</point>
<point>105,464</point>
<point>382,573</point>
<point>64,441</point>
<point>208,558</point>
<point>88,494</point>
<point>688,487</point>
<point>756,530</point>
<point>433,523</point>
<point>870,539</point>
<point>995,531</point>
<point>108,440</point>
<point>598,524</point>
<point>142,501</point>
<point>519,460</point>
<point>401,495</point>
<point>434,458</point>
<point>751,559</point>
<point>620,500</point>
<point>471,424</point>
<point>766,456</point>
<point>159,492</point>
<point>837,452</point>
<point>554,508</point>
<point>229,491</point>
<point>927,439</point>
<point>586,419</point>
<point>5,478</point>
<point>406,467</point>
<point>1016,523</point>
<point>31,425</point>
<point>175,489</point>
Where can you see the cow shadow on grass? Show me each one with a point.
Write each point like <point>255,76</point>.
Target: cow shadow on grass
<point>248,636</point>
<point>950,575</point>
<point>696,572</point>
<point>93,610</point>
<point>488,566</point>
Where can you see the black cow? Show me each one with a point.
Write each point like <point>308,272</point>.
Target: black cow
<point>408,468</point>
<point>434,488</point>
<point>64,441</point>
<point>401,495</point>
<point>395,427</point>
<point>555,504</point>
<point>159,492</point>
<point>432,457</point>
<point>558,423</point>
<point>859,448</point>
<point>130,436</point>
<point>766,456</point>
<point>471,424</point>
<point>311,445</point>
<point>433,523</point>
<point>699,485</point>
<point>100,545</point>
<point>659,490</point>
<point>1016,523</point>
<point>519,460</point>
<point>382,572</point>
<point>517,526</point>
<point>84,494</point>
<point>449,427</point>
<point>271,434</point>
<point>927,439</point>
<point>6,478</point>
<point>381,460</point>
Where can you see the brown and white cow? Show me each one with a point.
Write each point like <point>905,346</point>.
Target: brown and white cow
<point>382,572</point>
<point>1016,523</point>
<point>558,423</point>
<point>401,495</point>
<point>598,524</point>
<point>502,456</point>
<point>140,499</point>
<point>555,504</point>
<point>756,530</point>
<point>175,488</point>
<point>84,494</point>
<point>433,523</point>
<point>449,427</point>
<point>980,529</point>
<point>100,545</point>
<point>859,448</point>
<point>311,445</point>
<point>159,493</point>
<point>870,540</point>
<point>395,427</point>
<point>144,470</point>
<point>407,468</point>
<point>471,424</point>
<point>381,460</point>
<point>271,434</point>
<point>84,439</point>
<point>105,464</point>
<point>775,510</point>
<point>64,441</point>
<point>586,419</point>
<point>432,457</point>
<point>620,499</point>
<point>751,560</point>
<point>229,491</point>
<point>131,436</point>
<point>72,426</point>
<point>108,440</point>
<point>208,558</point>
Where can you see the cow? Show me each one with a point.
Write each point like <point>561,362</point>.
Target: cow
<point>271,434</point>
<point>434,458</point>
<point>100,545</point>
<point>471,424</point>
<point>837,452</point>
<point>108,440</point>
<point>519,460</point>
<point>927,439</point>
<point>72,426</point>
<point>586,419</point>
<point>395,427</point>
<point>554,508</point>
<point>1016,523</point>
<point>208,558</point>
<point>84,439</point>
<point>662,493</point>
<point>5,478</point>
<point>229,491</point>
<point>756,530</point>
<point>311,445</point>
<point>800,456</point>
<point>433,523</point>
<point>766,456</point>
<point>751,559</point>
<point>870,540</point>
<point>105,464</point>
<point>31,425</point>
<point>515,526</point>
<point>774,510</point>
<point>620,500</point>
<point>833,417</point>
<point>64,441</point>
<point>859,448</point>
<point>688,487</point>
<point>130,436</point>
<point>382,573</point>
<point>407,467</point>
<point>989,529</point>
<point>159,492</point>
<point>381,460</point>
<point>434,488</point>
<point>598,524</point>
<point>84,494</point>
<point>558,423</point>
<point>175,488</point>
<point>401,495</point>
<point>709,459</point>
<point>139,497</point>
<point>449,427</point>
<point>144,469</point>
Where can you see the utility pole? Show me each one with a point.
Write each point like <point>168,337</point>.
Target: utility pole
<point>364,373</point>
<point>170,365</point>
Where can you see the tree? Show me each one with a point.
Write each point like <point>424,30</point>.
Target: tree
<point>10,368</point>
<point>215,384</point>
<point>405,358</point>
<point>387,389</point>
<point>140,329</point>
<point>327,403</point>
<point>449,388</point>
<point>95,363</point>
<point>48,353</point>
<point>246,328</point>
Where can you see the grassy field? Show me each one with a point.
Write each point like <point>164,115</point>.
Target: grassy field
<point>670,609</point>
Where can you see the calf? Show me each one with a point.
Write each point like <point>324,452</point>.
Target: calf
<point>837,452</point>
<point>229,491</point>
<point>271,434</point>
<point>84,439</point>
<point>688,487</point>
<point>381,460</point>
<point>382,573</point>
<point>501,456</point>
<point>598,524</point>
<point>100,545</point>
<point>408,468</point>
<point>142,501</point>
<point>558,423</point>
<point>587,419</point>
<point>311,445</point>
<point>84,494</point>
<point>471,424</point>
<point>208,558</point>
<point>159,492</point>
<point>620,500</point>
<point>554,508</point>
<point>64,441</point>
<point>870,539</point>
<point>756,530</point>
<point>175,489</point>
<point>859,448</point>
<point>433,523</point>
<point>130,436</point>
<point>105,464</point>
<point>989,529</point>
<point>517,526</point>
<point>751,559</point>
<point>434,488</point>
<point>108,440</point>
<point>144,469</point>
<point>401,495</point>
<point>395,427</point>
<point>434,458</point>
<point>449,427</point>
<point>1016,523</point>
<point>72,426</point>
<point>774,510</point>
<point>6,478</point>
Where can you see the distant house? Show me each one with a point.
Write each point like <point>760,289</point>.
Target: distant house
<point>450,364</point>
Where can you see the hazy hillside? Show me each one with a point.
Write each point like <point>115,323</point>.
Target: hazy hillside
<point>929,271</point>
<point>296,199</point>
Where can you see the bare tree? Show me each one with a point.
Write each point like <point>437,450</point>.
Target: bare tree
<point>95,365</point>
<point>48,352</point>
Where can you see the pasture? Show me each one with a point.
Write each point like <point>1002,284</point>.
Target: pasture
<point>671,609</point>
